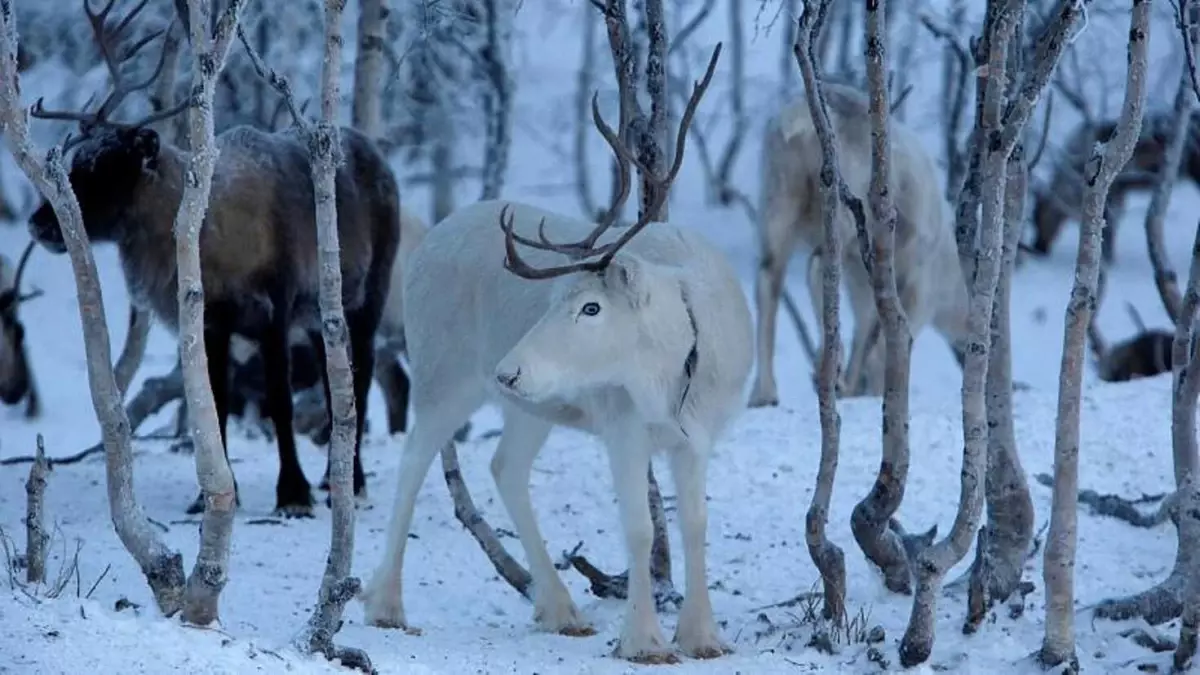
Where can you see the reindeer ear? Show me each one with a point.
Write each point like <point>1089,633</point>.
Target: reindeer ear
<point>626,274</point>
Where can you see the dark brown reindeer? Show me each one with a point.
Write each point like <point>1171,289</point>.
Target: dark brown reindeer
<point>1059,199</point>
<point>258,248</point>
<point>16,375</point>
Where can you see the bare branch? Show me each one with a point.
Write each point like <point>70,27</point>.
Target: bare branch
<point>1164,184</point>
<point>827,556</point>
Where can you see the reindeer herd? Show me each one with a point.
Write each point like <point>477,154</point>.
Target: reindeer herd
<point>641,336</point>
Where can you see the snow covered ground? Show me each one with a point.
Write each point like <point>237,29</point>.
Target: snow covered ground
<point>763,476</point>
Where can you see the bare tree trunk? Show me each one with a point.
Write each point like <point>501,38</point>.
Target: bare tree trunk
<point>1156,212</point>
<point>1005,539</point>
<point>787,58</point>
<point>367,106</point>
<point>208,577</point>
<point>583,107</point>
<point>338,587</point>
<point>1186,378</point>
<point>36,538</point>
<point>652,141</point>
<point>1058,645</point>
<point>737,105</point>
<point>134,351</point>
<point>872,515</point>
<point>827,556</point>
<point>162,567</point>
<point>933,563</point>
<point>497,103</point>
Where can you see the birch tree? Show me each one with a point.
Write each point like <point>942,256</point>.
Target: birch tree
<point>497,100</point>
<point>367,105</point>
<point>208,577</point>
<point>162,567</point>
<point>1164,600</point>
<point>871,518</point>
<point>1185,373</point>
<point>1003,542</point>
<point>1058,645</point>
<point>827,556</point>
<point>980,236</point>
<point>338,587</point>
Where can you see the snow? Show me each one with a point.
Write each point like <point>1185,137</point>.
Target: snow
<point>761,476</point>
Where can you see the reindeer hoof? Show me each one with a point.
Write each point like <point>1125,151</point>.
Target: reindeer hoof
<point>197,506</point>
<point>577,631</point>
<point>294,510</point>
<point>759,401</point>
<point>649,657</point>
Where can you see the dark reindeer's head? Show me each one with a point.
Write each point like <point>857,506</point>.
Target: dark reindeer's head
<point>110,157</point>
<point>16,381</point>
<point>105,173</point>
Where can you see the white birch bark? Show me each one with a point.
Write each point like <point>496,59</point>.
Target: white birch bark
<point>1058,645</point>
<point>827,556</point>
<point>338,587</point>
<point>208,577</point>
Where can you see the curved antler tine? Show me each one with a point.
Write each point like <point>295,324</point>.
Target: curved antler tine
<point>685,122</point>
<point>542,233</point>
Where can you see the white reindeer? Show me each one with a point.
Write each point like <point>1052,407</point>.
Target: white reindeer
<point>928,274</point>
<point>647,347</point>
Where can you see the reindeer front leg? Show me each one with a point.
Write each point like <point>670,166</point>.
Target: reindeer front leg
<point>642,639</point>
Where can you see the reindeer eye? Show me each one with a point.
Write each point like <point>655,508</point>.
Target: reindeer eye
<point>590,308</point>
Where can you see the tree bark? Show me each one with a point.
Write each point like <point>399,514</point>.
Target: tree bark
<point>1164,274</point>
<point>134,351</point>
<point>1000,560</point>
<point>208,577</point>
<point>497,103</point>
<point>583,106</point>
<point>827,557</point>
<point>1058,645</point>
<point>36,538</point>
<point>1186,386</point>
<point>162,567</point>
<point>871,517</point>
<point>367,106</point>
<point>338,587</point>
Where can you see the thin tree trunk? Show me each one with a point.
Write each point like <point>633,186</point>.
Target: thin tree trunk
<point>338,587</point>
<point>933,563</point>
<point>737,104</point>
<point>134,351</point>
<point>1058,645</point>
<point>1168,174</point>
<point>162,567</point>
<point>1185,369</point>
<point>652,141</point>
<point>583,107</point>
<point>208,577</point>
<point>367,106</point>
<point>871,516</point>
<point>1000,560</point>
<point>827,556</point>
<point>497,103</point>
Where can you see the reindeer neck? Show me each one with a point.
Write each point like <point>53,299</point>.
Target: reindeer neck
<point>147,241</point>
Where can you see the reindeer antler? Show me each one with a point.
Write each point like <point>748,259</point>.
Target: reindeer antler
<point>11,297</point>
<point>122,86</point>
<point>660,186</point>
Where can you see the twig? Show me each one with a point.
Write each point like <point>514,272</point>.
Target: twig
<point>35,530</point>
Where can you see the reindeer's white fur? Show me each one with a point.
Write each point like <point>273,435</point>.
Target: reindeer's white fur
<point>928,274</point>
<point>620,374</point>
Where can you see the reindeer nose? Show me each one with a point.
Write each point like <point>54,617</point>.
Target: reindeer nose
<point>508,380</point>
